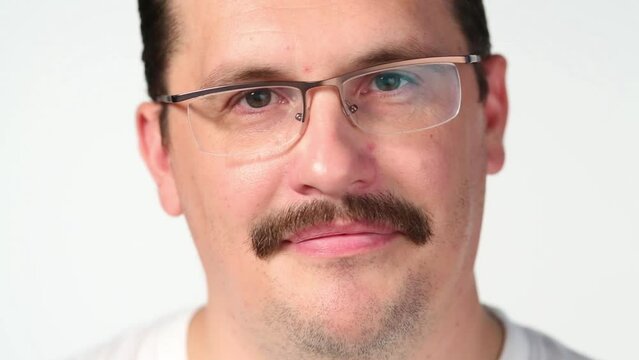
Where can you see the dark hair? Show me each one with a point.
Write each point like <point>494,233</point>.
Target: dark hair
<point>160,33</point>
<point>471,17</point>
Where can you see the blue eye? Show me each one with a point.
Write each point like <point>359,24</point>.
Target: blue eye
<point>390,81</point>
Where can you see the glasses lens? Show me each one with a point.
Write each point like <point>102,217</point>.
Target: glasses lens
<point>404,99</point>
<point>247,121</point>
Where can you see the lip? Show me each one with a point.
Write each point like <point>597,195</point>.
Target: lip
<point>340,240</point>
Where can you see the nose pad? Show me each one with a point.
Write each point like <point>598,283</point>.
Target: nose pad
<point>348,110</point>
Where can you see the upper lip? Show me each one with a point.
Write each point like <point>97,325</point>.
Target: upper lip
<point>338,229</point>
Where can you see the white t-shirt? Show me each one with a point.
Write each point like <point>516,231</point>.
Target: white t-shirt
<point>166,339</point>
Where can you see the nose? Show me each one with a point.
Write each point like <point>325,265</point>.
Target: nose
<point>333,158</point>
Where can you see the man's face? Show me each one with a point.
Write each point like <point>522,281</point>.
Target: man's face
<point>328,301</point>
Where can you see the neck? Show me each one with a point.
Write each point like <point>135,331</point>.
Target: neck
<point>465,330</point>
<point>462,329</point>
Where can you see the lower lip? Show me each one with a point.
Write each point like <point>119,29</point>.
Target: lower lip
<point>342,245</point>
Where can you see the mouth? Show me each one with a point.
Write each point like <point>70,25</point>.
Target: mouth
<point>340,240</point>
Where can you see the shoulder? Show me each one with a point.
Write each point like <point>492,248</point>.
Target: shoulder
<point>165,338</point>
<point>523,343</point>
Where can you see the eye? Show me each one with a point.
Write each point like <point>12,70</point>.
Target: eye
<point>389,81</point>
<point>258,98</point>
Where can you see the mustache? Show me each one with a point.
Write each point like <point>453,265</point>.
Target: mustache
<point>267,234</point>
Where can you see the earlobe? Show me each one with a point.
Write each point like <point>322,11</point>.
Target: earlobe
<point>156,156</point>
<point>495,112</point>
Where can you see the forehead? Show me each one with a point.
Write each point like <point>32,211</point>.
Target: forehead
<point>307,40</point>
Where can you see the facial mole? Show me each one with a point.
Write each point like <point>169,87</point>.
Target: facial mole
<point>307,69</point>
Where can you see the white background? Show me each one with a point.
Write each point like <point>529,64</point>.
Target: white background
<point>86,251</point>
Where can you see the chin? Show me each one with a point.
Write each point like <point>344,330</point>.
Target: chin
<point>352,313</point>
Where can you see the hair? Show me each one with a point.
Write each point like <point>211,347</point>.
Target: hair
<point>160,34</point>
<point>471,17</point>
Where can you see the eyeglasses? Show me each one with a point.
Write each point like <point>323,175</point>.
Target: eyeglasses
<point>264,118</point>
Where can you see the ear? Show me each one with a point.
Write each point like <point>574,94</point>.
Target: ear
<point>495,112</point>
<point>156,156</point>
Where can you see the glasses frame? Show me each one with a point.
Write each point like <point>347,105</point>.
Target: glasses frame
<point>305,86</point>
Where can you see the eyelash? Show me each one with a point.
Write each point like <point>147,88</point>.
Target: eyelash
<point>368,82</point>
<point>234,101</point>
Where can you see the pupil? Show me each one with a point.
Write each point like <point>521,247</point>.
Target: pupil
<point>258,98</point>
<point>388,82</point>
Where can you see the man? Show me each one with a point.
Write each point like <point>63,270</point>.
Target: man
<point>330,159</point>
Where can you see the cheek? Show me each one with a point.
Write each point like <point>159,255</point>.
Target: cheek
<point>220,198</point>
<point>231,197</point>
<point>426,168</point>
<point>439,172</point>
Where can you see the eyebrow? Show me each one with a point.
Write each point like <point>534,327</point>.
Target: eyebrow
<point>382,55</point>
<point>232,74</point>
<point>229,75</point>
